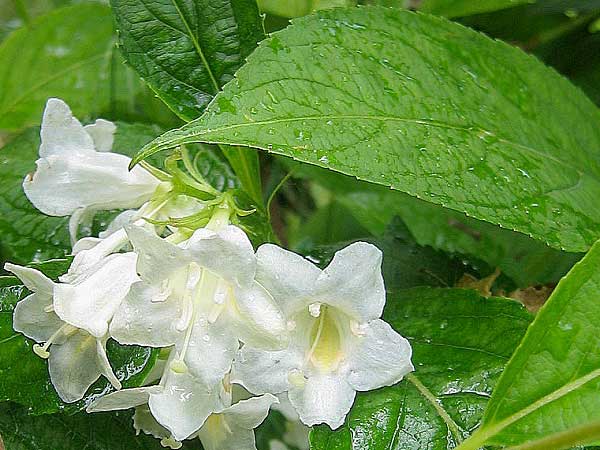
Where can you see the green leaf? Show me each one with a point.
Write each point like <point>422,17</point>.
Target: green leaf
<point>424,106</point>
<point>555,370</point>
<point>298,8</point>
<point>24,376</point>
<point>462,8</point>
<point>210,49</point>
<point>99,431</point>
<point>526,261</point>
<point>186,50</point>
<point>66,54</point>
<point>460,342</point>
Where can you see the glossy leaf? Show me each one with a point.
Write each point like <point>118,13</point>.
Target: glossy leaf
<point>461,8</point>
<point>100,431</point>
<point>186,50</point>
<point>460,342</point>
<point>24,376</point>
<point>526,261</point>
<point>555,370</point>
<point>424,106</point>
<point>66,54</point>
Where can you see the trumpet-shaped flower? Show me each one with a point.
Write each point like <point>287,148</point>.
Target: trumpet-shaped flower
<point>73,319</point>
<point>201,297</point>
<point>76,173</point>
<point>338,343</point>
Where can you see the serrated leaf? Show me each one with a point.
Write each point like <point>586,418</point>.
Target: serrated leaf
<point>186,50</point>
<point>24,376</point>
<point>211,47</point>
<point>100,431</point>
<point>424,106</point>
<point>526,261</point>
<point>556,368</point>
<point>461,342</point>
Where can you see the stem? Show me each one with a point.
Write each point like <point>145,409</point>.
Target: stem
<point>246,166</point>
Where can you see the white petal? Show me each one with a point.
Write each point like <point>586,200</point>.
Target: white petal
<point>31,319</point>
<point>262,371</point>
<point>141,321</point>
<point>104,363</point>
<point>379,358</point>
<point>123,399</point>
<point>250,413</point>
<point>288,277</point>
<point>227,253</point>
<point>184,404</point>
<point>143,420</point>
<point>73,366</point>
<point>217,435</point>
<point>259,321</point>
<point>33,279</point>
<point>79,216</point>
<point>102,133</point>
<point>210,352</point>
<point>286,408</point>
<point>325,398</point>
<point>353,282</point>
<point>121,221</point>
<point>62,133</point>
<point>64,183</point>
<point>158,258</point>
<point>88,253</point>
<point>91,303</point>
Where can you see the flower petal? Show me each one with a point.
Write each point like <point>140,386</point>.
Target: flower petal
<point>379,358</point>
<point>158,258</point>
<point>325,398</point>
<point>288,277</point>
<point>259,321</point>
<point>79,216</point>
<point>33,279</point>
<point>73,366</point>
<point>31,319</point>
<point>62,133</point>
<point>104,363</point>
<point>250,413</point>
<point>123,399</point>
<point>184,404</point>
<point>227,253</point>
<point>353,282</point>
<point>102,133</point>
<point>121,221</point>
<point>64,183</point>
<point>219,437</point>
<point>210,351</point>
<point>141,321</point>
<point>92,302</point>
<point>262,371</point>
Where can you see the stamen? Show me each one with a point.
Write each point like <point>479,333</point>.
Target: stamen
<point>314,309</point>
<point>317,337</point>
<point>296,378</point>
<point>42,350</point>
<point>49,308</point>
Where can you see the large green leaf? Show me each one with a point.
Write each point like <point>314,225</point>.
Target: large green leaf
<point>551,384</point>
<point>101,431</point>
<point>461,8</point>
<point>424,106</point>
<point>187,49</point>
<point>524,260</point>
<point>460,342</point>
<point>213,39</point>
<point>24,376</point>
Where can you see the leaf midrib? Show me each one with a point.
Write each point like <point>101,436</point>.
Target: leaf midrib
<point>477,131</point>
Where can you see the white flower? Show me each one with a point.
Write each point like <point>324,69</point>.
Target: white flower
<point>73,319</point>
<point>201,297</point>
<point>338,343</point>
<point>233,427</point>
<point>76,173</point>
<point>296,433</point>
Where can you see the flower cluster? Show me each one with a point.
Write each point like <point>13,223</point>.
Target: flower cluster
<point>173,271</point>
